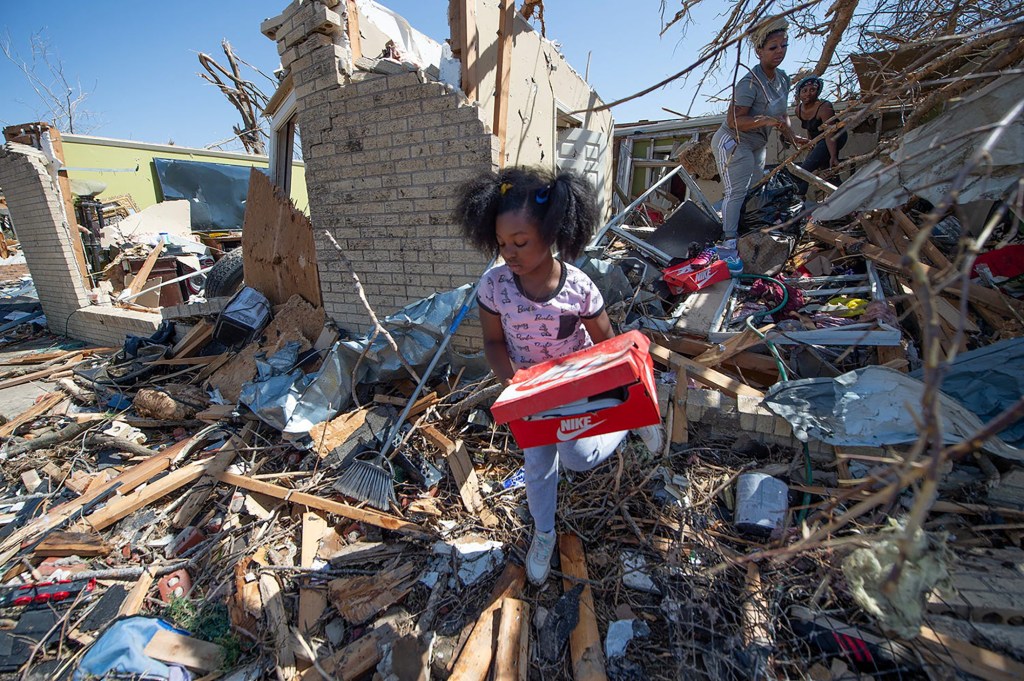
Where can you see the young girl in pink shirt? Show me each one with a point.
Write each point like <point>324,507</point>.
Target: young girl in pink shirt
<point>535,307</point>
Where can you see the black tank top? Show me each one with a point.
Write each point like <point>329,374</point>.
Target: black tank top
<point>813,125</point>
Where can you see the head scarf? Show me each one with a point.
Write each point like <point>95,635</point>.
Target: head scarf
<point>759,36</point>
<point>810,79</point>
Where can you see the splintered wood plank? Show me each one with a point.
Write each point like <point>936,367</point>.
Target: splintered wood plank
<point>277,622</point>
<point>193,341</point>
<point>201,491</point>
<point>136,598</point>
<point>124,506</point>
<point>512,661</point>
<point>84,544</point>
<point>709,377</point>
<point>585,640</point>
<point>199,656</point>
<point>475,659</point>
<point>359,598</point>
<point>278,251</point>
<point>143,274</point>
<point>465,477</point>
<point>358,657</point>
<point>311,601</point>
<point>388,522</point>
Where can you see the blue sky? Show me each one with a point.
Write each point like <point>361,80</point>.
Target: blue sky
<point>138,59</point>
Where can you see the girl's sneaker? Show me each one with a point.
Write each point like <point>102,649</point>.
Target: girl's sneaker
<point>653,437</point>
<point>538,558</point>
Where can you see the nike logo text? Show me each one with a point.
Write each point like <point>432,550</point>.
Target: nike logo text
<point>572,427</point>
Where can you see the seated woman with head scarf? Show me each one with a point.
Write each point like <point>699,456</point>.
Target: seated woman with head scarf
<point>814,115</point>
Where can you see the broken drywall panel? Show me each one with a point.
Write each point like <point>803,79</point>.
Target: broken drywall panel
<point>543,92</point>
<point>378,25</point>
<point>169,217</point>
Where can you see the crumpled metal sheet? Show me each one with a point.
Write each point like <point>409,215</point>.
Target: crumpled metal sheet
<point>871,407</point>
<point>417,329</point>
<point>988,381</point>
<point>930,157</point>
<point>286,399</point>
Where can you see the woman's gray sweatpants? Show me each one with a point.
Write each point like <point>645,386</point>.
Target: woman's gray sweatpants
<point>738,164</point>
<point>542,465</point>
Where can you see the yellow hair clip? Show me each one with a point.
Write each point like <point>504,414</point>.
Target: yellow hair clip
<point>505,186</point>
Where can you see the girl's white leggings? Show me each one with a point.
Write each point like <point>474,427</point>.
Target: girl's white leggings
<point>542,465</point>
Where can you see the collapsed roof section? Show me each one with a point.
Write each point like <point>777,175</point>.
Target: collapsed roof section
<point>388,135</point>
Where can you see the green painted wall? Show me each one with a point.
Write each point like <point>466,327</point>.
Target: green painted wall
<point>126,167</point>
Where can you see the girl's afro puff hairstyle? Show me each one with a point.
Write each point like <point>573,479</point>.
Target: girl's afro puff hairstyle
<point>562,206</point>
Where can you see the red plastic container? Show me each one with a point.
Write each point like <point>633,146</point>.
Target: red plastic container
<point>684,278</point>
<point>603,389</point>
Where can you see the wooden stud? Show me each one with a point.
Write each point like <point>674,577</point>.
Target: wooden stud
<point>512,661</point>
<point>715,379</point>
<point>311,601</point>
<point>355,43</point>
<point>143,274</point>
<point>388,522</point>
<point>470,47</point>
<point>984,664</point>
<point>64,183</point>
<point>680,422</point>
<point>742,342</point>
<point>585,640</point>
<point>506,25</point>
<point>931,251</point>
<point>194,340</point>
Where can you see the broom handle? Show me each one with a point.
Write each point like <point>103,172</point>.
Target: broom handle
<point>393,433</point>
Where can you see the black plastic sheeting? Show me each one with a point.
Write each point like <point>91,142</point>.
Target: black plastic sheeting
<point>216,192</point>
<point>988,381</point>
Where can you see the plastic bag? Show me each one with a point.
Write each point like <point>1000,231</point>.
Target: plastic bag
<point>771,203</point>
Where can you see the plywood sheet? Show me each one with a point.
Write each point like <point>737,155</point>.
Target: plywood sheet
<point>278,253</point>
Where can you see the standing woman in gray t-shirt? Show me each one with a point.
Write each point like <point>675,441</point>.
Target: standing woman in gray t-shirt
<point>759,103</point>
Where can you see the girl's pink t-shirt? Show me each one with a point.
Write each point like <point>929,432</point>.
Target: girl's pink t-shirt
<point>539,330</point>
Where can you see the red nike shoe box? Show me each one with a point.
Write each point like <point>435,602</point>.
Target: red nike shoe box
<point>685,277</point>
<point>603,389</point>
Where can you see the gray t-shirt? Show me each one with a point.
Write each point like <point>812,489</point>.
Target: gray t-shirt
<point>765,98</point>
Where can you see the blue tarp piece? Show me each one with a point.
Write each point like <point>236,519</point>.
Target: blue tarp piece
<point>988,381</point>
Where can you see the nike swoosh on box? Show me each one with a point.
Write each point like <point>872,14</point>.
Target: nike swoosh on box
<point>573,434</point>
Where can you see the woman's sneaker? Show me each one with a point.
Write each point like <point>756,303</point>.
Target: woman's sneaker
<point>538,558</point>
<point>728,252</point>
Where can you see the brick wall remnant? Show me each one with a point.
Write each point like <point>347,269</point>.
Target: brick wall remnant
<point>384,155</point>
<point>38,217</point>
